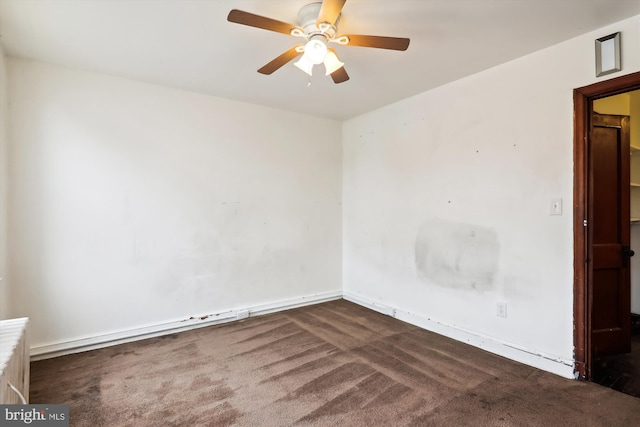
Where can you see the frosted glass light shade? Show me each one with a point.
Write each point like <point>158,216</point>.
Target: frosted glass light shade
<point>304,64</point>
<point>332,63</point>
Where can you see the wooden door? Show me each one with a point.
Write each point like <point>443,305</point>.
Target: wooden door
<point>609,234</point>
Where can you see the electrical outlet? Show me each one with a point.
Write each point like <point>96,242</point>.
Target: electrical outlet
<point>501,309</point>
<point>242,314</point>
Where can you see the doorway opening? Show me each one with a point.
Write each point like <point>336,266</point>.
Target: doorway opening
<point>606,210</point>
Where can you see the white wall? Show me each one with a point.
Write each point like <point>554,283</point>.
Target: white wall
<point>135,205</point>
<point>446,202</point>
<point>4,281</point>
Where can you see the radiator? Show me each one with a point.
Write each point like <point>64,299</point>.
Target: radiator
<point>14,360</point>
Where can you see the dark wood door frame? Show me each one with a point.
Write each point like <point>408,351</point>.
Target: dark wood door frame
<point>583,108</point>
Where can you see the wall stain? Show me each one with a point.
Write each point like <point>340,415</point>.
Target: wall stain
<point>457,255</point>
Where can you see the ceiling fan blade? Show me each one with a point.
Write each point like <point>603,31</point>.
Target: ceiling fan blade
<point>329,11</point>
<point>280,60</point>
<point>257,21</point>
<point>393,43</point>
<point>340,75</point>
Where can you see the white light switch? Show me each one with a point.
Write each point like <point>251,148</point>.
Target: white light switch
<point>555,207</point>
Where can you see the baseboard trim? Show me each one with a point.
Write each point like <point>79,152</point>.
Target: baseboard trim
<point>78,345</point>
<point>370,304</point>
<point>558,366</point>
<point>540,360</point>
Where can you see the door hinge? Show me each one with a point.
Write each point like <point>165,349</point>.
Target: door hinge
<point>584,223</point>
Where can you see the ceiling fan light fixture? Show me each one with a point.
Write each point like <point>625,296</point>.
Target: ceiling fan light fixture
<point>332,63</point>
<point>318,24</point>
<point>305,65</point>
<point>316,50</point>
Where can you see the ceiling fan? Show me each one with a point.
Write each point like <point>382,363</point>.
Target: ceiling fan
<point>319,27</point>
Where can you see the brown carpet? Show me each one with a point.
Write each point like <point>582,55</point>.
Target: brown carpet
<point>326,365</point>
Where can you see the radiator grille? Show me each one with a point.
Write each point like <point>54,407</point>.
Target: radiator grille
<point>14,360</point>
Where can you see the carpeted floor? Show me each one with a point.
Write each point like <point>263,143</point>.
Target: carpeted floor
<point>325,365</point>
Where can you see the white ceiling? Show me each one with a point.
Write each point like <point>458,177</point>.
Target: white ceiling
<point>188,44</point>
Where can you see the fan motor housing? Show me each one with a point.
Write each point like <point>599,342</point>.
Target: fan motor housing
<point>308,16</point>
